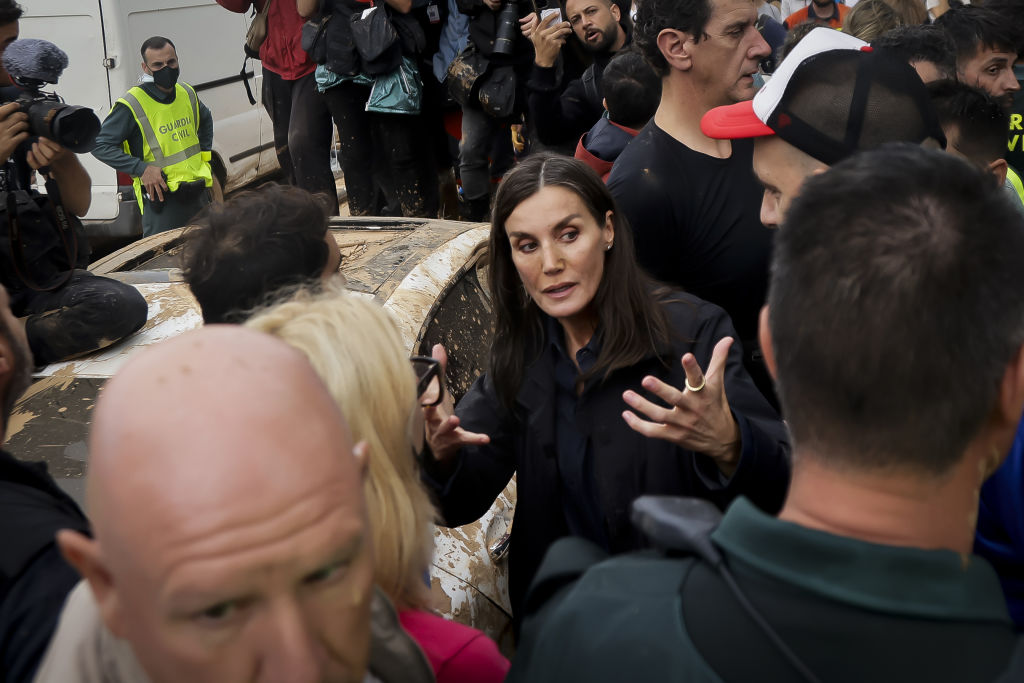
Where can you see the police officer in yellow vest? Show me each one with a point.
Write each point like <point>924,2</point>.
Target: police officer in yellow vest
<point>161,134</point>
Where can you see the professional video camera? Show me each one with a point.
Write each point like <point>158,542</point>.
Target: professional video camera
<point>32,63</point>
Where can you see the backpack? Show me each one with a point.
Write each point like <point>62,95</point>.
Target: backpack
<point>649,583</point>
<point>680,528</point>
<point>41,242</point>
<point>257,32</point>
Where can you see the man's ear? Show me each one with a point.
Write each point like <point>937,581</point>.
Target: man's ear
<point>7,362</point>
<point>764,337</point>
<point>145,69</point>
<point>8,368</point>
<point>1006,414</point>
<point>998,169</point>
<point>83,554</point>
<point>1010,402</point>
<point>616,12</point>
<point>676,47</point>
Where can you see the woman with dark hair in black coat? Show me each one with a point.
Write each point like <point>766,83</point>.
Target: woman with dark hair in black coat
<point>586,398</point>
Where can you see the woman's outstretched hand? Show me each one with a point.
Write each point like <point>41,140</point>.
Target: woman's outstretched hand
<point>443,433</point>
<point>698,417</point>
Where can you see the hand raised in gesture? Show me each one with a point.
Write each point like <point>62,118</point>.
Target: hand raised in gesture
<point>698,417</point>
<point>443,433</point>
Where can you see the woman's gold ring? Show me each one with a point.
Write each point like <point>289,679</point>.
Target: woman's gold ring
<point>703,381</point>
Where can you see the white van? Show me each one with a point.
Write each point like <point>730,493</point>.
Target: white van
<point>102,40</point>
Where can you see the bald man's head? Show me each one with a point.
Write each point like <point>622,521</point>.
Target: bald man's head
<point>231,540</point>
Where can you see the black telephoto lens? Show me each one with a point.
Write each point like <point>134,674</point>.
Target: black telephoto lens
<point>508,27</point>
<point>68,125</point>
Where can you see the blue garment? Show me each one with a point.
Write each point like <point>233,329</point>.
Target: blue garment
<point>453,40</point>
<point>575,459</point>
<point>1000,535</point>
<point>607,140</point>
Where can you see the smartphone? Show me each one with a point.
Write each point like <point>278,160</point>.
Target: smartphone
<point>548,11</point>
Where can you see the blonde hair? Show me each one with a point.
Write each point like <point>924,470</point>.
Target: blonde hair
<point>871,18</point>
<point>355,348</point>
<point>912,12</point>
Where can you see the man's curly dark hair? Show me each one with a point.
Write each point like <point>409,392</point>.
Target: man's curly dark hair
<point>238,254</point>
<point>976,28</point>
<point>10,12</point>
<point>654,16</point>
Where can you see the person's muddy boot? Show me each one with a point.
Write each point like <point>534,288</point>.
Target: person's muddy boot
<point>475,210</point>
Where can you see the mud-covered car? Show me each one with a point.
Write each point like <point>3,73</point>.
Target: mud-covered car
<point>429,274</point>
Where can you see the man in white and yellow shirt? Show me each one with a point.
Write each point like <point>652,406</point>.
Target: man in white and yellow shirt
<point>161,135</point>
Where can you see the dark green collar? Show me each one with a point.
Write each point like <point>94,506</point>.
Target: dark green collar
<point>157,94</point>
<point>905,581</point>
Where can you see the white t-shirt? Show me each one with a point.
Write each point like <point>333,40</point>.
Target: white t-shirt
<point>770,10</point>
<point>790,6</point>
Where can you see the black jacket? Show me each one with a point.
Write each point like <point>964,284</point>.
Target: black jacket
<point>483,25</point>
<point>626,464</point>
<point>560,117</point>
<point>34,578</point>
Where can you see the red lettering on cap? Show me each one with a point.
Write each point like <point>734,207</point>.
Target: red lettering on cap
<point>867,48</point>
<point>784,120</point>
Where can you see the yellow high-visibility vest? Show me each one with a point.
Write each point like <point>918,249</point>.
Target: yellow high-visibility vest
<point>170,137</point>
<point>1014,179</point>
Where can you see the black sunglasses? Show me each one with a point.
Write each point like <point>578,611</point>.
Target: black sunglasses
<point>429,387</point>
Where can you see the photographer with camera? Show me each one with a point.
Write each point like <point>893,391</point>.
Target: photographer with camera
<point>494,35</point>
<point>161,134</point>
<point>560,112</point>
<point>67,311</point>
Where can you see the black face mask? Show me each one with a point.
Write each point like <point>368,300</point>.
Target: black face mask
<point>166,77</point>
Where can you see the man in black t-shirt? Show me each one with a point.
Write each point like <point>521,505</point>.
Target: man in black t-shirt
<point>34,578</point>
<point>692,201</point>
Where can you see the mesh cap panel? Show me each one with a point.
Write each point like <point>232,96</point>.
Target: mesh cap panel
<point>841,101</point>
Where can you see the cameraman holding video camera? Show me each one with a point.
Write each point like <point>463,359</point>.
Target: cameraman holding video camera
<point>66,310</point>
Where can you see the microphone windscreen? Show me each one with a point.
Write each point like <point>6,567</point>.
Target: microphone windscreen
<point>37,59</point>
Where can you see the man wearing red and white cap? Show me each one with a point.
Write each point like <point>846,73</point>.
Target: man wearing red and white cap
<point>829,98</point>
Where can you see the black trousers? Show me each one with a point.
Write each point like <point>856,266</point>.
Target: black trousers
<point>302,133</point>
<point>85,315</point>
<point>176,212</point>
<point>389,151</point>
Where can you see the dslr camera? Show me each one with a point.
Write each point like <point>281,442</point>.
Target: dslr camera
<point>32,64</point>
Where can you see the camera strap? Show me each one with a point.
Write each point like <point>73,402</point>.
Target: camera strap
<point>67,236</point>
<point>246,75</point>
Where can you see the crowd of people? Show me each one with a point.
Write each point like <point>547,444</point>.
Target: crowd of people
<point>758,361</point>
<point>435,95</point>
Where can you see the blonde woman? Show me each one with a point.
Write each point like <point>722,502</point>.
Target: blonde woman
<point>354,347</point>
<point>871,18</point>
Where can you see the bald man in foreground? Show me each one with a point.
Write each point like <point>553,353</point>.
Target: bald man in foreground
<point>231,541</point>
